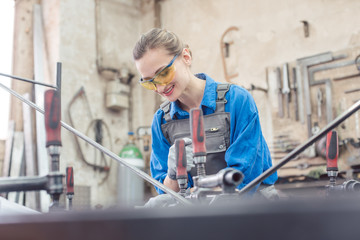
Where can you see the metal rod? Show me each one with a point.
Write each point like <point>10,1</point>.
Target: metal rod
<point>352,90</point>
<point>23,184</point>
<point>354,108</point>
<point>27,80</point>
<point>105,151</point>
<point>58,76</point>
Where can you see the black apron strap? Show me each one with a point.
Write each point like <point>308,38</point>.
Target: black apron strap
<point>221,90</point>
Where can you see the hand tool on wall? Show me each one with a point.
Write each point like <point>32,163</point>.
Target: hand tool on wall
<point>300,93</point>
<point>357,125</point>
<point>304,64</point>
<point>286,88</point>
<point>225,46</point>
<point>181,173</point>
<point>81,93</point>
<point>70,185</point>
<point>328,94</point>
<point>332,151</point>
<point>352,90</point>
<point>329,105</point>
<point>256,88</point>
<point>324,67</point>
<point>280,97</point>
<point>319,95</point>
<point>198,140</point>
<point>295,89</point>
<point>346,77</point>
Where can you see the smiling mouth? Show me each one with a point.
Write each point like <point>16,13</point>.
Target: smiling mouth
<point>169,90</point>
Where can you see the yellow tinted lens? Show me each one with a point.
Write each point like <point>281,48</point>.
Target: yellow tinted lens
<point>165,76</point>
<point>148,85</point>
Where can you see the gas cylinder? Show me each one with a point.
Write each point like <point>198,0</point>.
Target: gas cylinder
<point>130,185</point>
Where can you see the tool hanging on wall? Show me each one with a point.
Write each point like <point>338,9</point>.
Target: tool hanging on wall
<point>101,167</point>
<point>319,103</point>
<point>224,49</point>
<point>280,98</point>
<point>295,89</point>
<point>286,88</point>
<point>256,88</point>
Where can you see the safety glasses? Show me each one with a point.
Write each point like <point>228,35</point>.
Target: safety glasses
<point>165,76</point>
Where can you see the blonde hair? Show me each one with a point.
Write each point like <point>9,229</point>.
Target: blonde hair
<point>158,38</point>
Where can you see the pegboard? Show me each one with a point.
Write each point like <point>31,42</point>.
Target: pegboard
<point>334,86</point>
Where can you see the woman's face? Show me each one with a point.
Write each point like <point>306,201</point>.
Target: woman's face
<point>153,62</point>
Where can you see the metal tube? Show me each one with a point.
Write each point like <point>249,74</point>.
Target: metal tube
<point>105,151</point>
<point>354,108</point>
<point>27,80</point>
<point>58,76</point>
<point>230,177</point>
<point>23,184</point>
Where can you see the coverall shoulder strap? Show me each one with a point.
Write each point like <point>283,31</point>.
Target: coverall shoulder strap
<point>222,89</point>
<point>165,106</point>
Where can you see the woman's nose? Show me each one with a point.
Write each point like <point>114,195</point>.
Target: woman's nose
<point>159,88</point>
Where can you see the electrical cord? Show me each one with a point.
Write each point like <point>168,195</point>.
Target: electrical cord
<point>98,126</point>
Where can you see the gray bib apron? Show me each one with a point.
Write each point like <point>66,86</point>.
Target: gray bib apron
<point>217,131</point>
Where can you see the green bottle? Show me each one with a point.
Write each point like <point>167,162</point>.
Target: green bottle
<point>130,150</point>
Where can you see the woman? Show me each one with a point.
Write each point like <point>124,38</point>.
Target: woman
<point>231,121</point>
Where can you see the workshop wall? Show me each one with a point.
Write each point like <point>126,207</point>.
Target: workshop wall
<point>270,33</point>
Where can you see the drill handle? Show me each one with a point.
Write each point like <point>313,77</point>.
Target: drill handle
<point>53,118</point>
<point>180,157</point>
<point>197,132</point>
<point>332,150</point>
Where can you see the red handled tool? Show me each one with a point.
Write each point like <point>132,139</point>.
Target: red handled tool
<point>52,118</point>
<point>70,184</point>
<point>198,139</point>
<point>332,151</point>
<point>181,173</point>
<point>53,143</point>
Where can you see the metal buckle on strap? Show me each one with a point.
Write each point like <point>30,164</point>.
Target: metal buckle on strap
<point>165,106</point>
<point>221,100</point>
<point>222,89</point>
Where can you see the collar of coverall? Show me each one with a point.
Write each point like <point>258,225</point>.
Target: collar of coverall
<point>207,101</point>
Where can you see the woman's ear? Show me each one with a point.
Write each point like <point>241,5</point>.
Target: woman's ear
<point>187,56</point>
